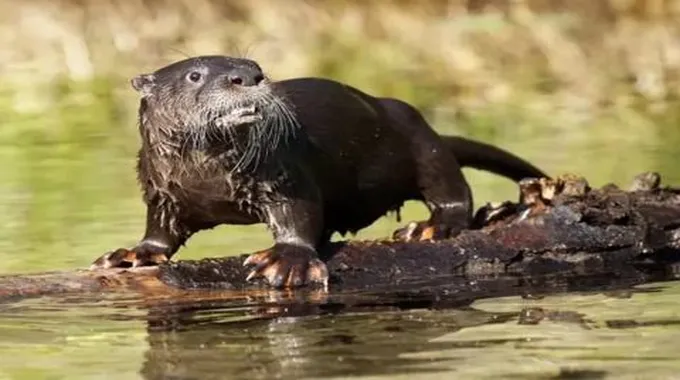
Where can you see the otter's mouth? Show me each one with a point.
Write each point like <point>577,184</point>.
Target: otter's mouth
<point>239,117</point>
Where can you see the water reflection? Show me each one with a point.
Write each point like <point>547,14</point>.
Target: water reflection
<point>300,341</point>
<point>360,334</point>
<point>303,347</point>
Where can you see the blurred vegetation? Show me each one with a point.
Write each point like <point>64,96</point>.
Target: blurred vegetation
<point>584,86</point>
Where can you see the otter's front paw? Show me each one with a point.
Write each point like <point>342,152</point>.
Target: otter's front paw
<point>288,266</point>
<point>126,258</point>
<point>241,116</point>
<point>425,230</point>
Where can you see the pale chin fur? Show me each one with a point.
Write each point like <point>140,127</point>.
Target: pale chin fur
<point>254,139</point>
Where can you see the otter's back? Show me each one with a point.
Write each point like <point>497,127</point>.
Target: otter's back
<point>352,148</point>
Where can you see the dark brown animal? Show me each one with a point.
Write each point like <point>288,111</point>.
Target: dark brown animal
<point>221,144</point>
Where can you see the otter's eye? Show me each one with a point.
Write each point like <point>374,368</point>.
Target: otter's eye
<point>194,76</point>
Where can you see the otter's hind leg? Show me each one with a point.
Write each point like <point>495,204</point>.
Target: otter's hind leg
<point>439,176</point>
<point>446,193</point>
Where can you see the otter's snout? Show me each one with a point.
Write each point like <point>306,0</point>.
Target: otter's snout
<point>245,76</point>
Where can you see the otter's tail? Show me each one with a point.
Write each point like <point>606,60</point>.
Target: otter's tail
<point>479,155</point>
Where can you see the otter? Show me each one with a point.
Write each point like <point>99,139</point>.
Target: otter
<point>221,143</point>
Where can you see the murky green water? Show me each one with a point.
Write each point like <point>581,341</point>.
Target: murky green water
<point>614,335</point>
<point>68,193</point>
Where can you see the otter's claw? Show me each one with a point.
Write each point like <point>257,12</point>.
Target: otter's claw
<point>418,231</point>
<point>424,231</point>
<point>125,258</point>
<point>287,266</point>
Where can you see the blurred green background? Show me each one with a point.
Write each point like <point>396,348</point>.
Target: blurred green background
<point>574,86</point>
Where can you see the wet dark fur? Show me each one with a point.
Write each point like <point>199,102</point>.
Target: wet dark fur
<point>325,158</point>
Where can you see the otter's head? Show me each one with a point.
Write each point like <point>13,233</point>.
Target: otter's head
<point>207,100</point>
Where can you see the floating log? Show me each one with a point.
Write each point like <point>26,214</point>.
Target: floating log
<point>559,226</point>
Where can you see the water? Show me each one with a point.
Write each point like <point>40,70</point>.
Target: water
<point>624,334</point>
<point>68,193</point>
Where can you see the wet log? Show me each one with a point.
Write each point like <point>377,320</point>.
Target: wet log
<point>559,226</point>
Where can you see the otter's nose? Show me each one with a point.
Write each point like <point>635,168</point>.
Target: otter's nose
<point>245,77</point>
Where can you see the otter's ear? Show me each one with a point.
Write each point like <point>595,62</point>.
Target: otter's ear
<point>143,83</point>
